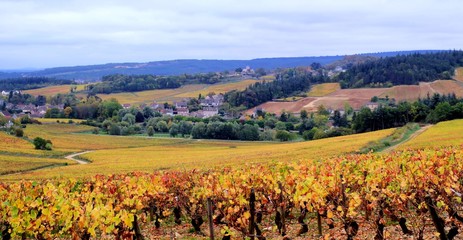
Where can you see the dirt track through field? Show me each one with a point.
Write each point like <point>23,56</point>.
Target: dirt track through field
<point>414,135</point>
<point>72,157</point>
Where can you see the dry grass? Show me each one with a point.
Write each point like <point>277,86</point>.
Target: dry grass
<point>448,133</point>
<point>67,138</point>
<point>171,95</point>
<point>14,145</point>
<point>166,95</point>
<point>56,120</point>
<point>53,90</point>
<point>459,74</point>
<point>220,88</point>
<point>188,154</point>
<point>324,89</point>
<point>12,164</point>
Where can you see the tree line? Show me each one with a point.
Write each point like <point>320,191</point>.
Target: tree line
<point>25,83</point>
<point>402,69</point>
<point>132,83</point>
<point>432,109</point>
<point>287,83</point>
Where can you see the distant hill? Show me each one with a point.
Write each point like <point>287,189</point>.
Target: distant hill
<point>176,67</point>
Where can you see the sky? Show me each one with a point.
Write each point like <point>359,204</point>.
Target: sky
<point>53,33</point>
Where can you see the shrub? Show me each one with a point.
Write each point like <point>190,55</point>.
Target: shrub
<point>42,144</point>
<point>18,132</point>
<point>150,131</point>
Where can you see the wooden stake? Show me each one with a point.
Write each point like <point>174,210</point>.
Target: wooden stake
<point>209,215</point>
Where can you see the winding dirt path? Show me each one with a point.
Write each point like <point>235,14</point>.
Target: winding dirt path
<point>414,135</point>
<point>72,157</point>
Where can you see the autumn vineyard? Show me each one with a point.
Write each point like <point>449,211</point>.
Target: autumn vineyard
<point>416,191</point>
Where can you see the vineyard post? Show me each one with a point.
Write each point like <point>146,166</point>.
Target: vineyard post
<point>438,222</point>
<point>252,200</point>
<point>283,210</point>
<point>209,215</point>
<point>365,202</point>
<point>319,222</point>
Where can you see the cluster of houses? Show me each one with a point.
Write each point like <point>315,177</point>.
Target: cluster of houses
<point>209,107</point>
<point>25,109</point>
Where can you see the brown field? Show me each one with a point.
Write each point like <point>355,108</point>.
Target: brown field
<point>53,90</point>
<point>459,74</point>
<point>448,86</point>
<point>358,98</point>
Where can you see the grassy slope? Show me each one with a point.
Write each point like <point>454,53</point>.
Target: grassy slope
<point>53,90</point>
<point>459,74</point>
<point>125,154</point>
<point>449,133</point>
<point>170,95</point>
<point>324,89</point>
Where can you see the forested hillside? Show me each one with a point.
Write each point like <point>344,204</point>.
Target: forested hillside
<point>403,69</point>
<point>287,83</point>
<point>132,83</point>
<point>24,83</point>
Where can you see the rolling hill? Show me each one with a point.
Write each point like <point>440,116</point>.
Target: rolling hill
<point>188,66</point>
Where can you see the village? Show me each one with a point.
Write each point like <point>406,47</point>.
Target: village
<point>208,107</point>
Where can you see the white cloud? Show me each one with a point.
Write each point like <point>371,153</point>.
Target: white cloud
<point>55,33</point>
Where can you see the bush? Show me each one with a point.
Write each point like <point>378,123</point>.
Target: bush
<point>96,131</point>
<point>114,129</point>
<point>42,144</point>
<point>18,132</point>
<point>283,135</point>
<point>150,131</point>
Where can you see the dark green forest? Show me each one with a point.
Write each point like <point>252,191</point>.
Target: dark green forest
<point>133,83</point>
<point>402,69</point>
<point>288,82</point>
<point>25,83</point>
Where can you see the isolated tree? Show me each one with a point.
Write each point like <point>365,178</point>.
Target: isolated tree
<point>42,144</point>
<point>150,131</point>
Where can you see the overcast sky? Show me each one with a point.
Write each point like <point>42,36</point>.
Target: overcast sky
<point>51,33</point>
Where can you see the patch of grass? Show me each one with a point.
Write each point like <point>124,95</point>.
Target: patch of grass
<point>399,135</point>
<point>170,95</point>
<point>127,154</point>
<point>448,133</point>
<point>14,164</point>
<point>459,74</point>
<point>53,90</point>
<point>323,89</point>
